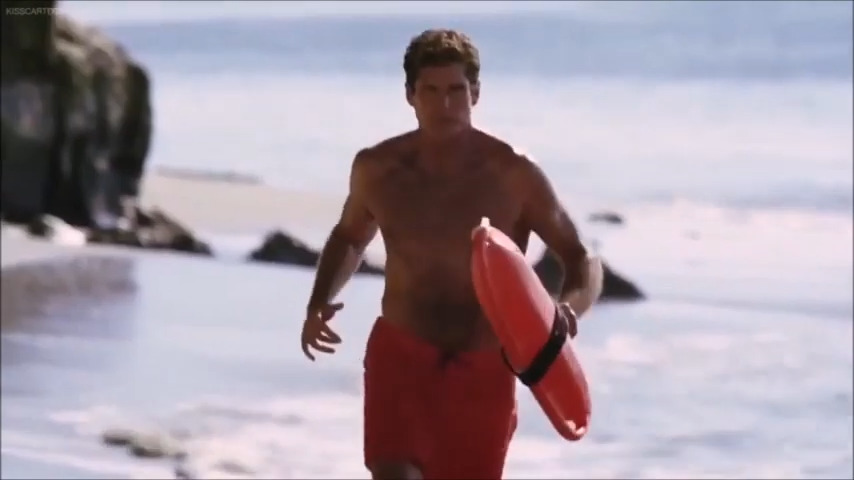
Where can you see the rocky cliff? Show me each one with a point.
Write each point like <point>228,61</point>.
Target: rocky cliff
<point>76,126</point>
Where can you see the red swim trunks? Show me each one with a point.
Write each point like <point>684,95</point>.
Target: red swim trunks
<point>452,419</point>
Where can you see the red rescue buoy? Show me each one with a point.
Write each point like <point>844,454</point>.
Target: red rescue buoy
<point>534,338</point>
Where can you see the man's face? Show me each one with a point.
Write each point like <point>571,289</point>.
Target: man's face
<point>443,99</point>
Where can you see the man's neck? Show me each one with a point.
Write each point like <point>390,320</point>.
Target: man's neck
<point>443,144</point>
<point>443,155</point>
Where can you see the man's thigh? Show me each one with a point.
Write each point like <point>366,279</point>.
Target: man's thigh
<point>477,420</point>
<point>396,415</point>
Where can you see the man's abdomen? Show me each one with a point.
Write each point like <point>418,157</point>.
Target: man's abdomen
<point>449,323</point>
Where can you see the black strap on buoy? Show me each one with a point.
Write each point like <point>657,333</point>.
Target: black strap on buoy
<point>546,356</point>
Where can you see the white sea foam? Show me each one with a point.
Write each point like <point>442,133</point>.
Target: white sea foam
<point>654,410</point>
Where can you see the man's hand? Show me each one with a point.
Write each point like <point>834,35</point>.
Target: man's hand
<point>566,312</point>
<point>316,332</point>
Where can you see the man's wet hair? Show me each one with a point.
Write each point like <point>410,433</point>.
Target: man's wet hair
<point>439,48</point>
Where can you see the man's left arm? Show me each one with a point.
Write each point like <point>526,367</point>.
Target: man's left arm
<point>544,214</point>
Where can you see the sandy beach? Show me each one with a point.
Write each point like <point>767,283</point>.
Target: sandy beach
<point>234,207</point>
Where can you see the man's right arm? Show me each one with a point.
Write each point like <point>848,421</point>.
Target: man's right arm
<point>342,253</point>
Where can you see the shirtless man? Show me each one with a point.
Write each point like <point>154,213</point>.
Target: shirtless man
<point>439,401</point>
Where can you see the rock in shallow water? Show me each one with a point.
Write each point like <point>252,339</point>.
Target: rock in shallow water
<point>118,437</point>
<point>611,218</point>
<point>154,230</point>
<point>144,444</point>
<point>151,230</point>
<point>615,287</point>
<point>279,247</point>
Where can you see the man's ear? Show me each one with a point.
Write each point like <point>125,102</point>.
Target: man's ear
<point>475,93</point>
<point>410,92</point>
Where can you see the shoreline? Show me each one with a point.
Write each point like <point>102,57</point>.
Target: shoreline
<point>213,206</point>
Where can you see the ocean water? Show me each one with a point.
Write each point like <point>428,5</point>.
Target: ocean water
<point>721,131</point>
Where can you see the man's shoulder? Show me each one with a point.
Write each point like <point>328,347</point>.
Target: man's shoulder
<point>505,152</point>
<point>371,161</point>
<point>390,147</point>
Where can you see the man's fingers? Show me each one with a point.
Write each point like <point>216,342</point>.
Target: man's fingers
<point>322,348</point>
<point>327,338</point>
<point>571,319</point>
<point>336,306</point>
<point>567,310</point>
<point>320,340</point>
<point>329,335</point>
<point>306,351</point>
<point>317,346</point>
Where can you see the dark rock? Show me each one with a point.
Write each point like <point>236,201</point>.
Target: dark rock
<point>152,445</point>
<point>154,230</point>
<point>134,135</point>
<point>119,437</point>
<point>279,247</point>
<point>184,472</point>
<point>615,287</point>
<point>29,111</point>
<point>54,229</point>
<point>611,218</point>
<point>40,227</point>
<point>76,121</point>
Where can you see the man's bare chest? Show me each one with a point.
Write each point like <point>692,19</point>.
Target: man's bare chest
<point>443,208</point>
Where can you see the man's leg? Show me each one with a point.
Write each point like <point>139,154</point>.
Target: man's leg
<point>396,437</point>
<point>478,420</point>
<point>395,471</point>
